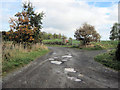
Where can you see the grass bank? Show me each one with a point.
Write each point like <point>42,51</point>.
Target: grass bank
<point>18,57</point>
<point>108,59</point>
<point>106,44</point>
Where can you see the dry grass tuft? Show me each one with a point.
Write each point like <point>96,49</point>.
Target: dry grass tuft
<point>10,50</point>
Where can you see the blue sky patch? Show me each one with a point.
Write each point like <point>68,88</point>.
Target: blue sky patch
<point>101,4</point>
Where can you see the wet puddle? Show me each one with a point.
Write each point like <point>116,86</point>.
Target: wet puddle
<point>64,60</point>
<point>69,70</point>
<point>50,59</point>
<point>54,53</point>
<point>56,62</point>
<point>55,57</point>
<point>74,79</point>
<point>66,56</point>
<point>80,75</point>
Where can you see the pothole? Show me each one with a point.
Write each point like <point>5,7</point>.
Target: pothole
<point>56,62</point>
<point>69,70</point>
<point>74,79</point>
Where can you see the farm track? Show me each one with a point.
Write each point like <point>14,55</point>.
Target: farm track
<point>76,70</point>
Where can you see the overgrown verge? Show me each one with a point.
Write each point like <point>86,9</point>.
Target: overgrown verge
<point>106,44</point>
<point>77,44</point>
<point>16,56</point>
<point>108,59</point>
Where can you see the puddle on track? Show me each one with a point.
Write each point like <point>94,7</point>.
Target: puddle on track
<point>74,79</point>
<point>56,62</point>
<point>69,70</point>
<point>66,56</point>
<point>55,57</point>
<point>80,75</point>
<point>54,53</point>
<point>64,60</point>
<point>50,59</point>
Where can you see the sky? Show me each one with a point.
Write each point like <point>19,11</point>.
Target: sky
<point>65,16</point>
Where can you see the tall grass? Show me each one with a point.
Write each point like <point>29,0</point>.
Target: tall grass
<point>14,56</point>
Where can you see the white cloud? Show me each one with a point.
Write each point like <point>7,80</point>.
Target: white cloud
<point>64,16</point>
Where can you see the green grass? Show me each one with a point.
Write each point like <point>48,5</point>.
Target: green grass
<point>106,44</point>
<point>108,59</point>
<point>60,40</point>
<point>75,44</point>
<point>21,59</point>
<point>52,40</point>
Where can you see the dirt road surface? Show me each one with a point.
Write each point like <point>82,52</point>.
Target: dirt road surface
<point>63,68</point>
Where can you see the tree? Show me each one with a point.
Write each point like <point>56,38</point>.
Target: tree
<point>117,54</point>
<point>87,33</point>
<point>115,32</point>
<point>25,28</point>
<point>50,36</point>
<point>70,39</point>
<point>64,38</point>
<point>59,36</point>
<point>115,35</point>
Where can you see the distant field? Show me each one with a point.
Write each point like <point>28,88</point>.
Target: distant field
<point>76,43</point>
<point>106,44</point>
<point>52,40</point>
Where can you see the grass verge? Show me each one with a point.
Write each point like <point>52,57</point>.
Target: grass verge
<point>108,60</point>
<point>15,58</point>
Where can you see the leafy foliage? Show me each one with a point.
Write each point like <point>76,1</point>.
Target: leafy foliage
<point>117,53</point>
<point>115,32</point>
<point>87,33</point>
<point>26,25</point>
<point>50,36</point>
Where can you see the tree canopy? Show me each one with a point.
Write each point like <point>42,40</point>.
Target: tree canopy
<point>115,32</point>
<point>25,26</point>
<point>87,33</point>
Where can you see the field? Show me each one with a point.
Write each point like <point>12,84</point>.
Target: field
<point>76,44</point>
<point>106,44</point>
